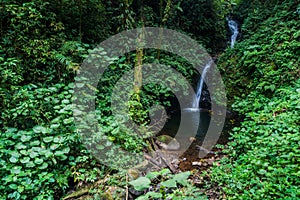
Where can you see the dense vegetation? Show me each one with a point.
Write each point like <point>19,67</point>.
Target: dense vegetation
<point>262,76</point>
<point>43,44</point>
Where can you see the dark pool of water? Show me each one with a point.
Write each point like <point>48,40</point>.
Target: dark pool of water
<point>193,123</point>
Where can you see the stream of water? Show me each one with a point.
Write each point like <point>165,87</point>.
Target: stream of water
<point>233,26</point>
<point>195,119</point>
<point>197,98</point>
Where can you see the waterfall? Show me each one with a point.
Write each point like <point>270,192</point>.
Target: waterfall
<point>197,98</point>
<point>233,26</point>
<point>196,120</point>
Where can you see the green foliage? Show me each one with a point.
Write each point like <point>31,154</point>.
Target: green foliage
<point>141,183</point>
<point>24,38</point>
<point>37,153</point>
<point>85,20</point>
<point>166,186</point>
<point>268,54</point>
<point>138,106</point>
<point>43,43</point>
<point>201,20</point>
<point>39,145</point>
<point>40,150</point>
<point>262,78</point>
<point>265,150</point>
<point>226,7</point>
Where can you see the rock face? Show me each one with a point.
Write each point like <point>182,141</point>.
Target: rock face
<point>168,143</point>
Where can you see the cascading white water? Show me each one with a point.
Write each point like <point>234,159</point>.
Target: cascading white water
<point>195,119</point>
<point>233,26</point>
<point>197,98</point>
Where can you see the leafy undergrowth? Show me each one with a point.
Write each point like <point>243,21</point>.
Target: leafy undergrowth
<point>264,155</point>
<point>38,146</point>
<point>262,74</point>
<point>164,185</point>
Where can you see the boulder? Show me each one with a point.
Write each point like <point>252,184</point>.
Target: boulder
<point>168,143</point>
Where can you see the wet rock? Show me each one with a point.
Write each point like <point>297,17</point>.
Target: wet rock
<point>164,138</point>
<point>168,143</point>
<point>175,163</point>
<point>133,174</point>
<point>196,163</point>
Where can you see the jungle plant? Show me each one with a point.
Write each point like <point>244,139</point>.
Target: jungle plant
<point>164,185</point>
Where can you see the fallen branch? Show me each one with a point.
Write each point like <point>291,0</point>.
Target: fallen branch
<point>152,160</point>
<point>169,165</point>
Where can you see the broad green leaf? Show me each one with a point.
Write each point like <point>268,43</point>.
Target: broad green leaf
<point>59,153</point>
<point>154,195</point>
<point>48,154</point>
<point>25,138</point>
<point>15,195</point>
<point>68,120</point>
<point>43,151</point>
<point>12,130</point>
<point>66,150</point>
<point>13,186</point>
<point>38,129</point>
<point>24,152</point>
<point>169,183</point>
<point>38,161</point>
<point>65,101</point>
<point>25,160</point>
<point>141,183</point>
<point>164,172</point>
<point>48,139</point>
<point>16,170</point>
<point>59,139</point>
<point>62,157</point>
<point>15,154</point>
<point>37,149</point>
<point>54,126</point>
<point>30,164</point>
<point>144,197</point>
<point>152,175</point>
<point>182,177</point>
<point>10,142</point>
<point>54,161</point>
<point>262,171</point>
<point>35,143</point>
<point>100,147</point>
<point>33,154</point>
<point>54,146</point>
<point>20,146</point>
<point>43,166</point>
<point>13,159</point>
<point>56,107</point>
<point>20,188</point>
